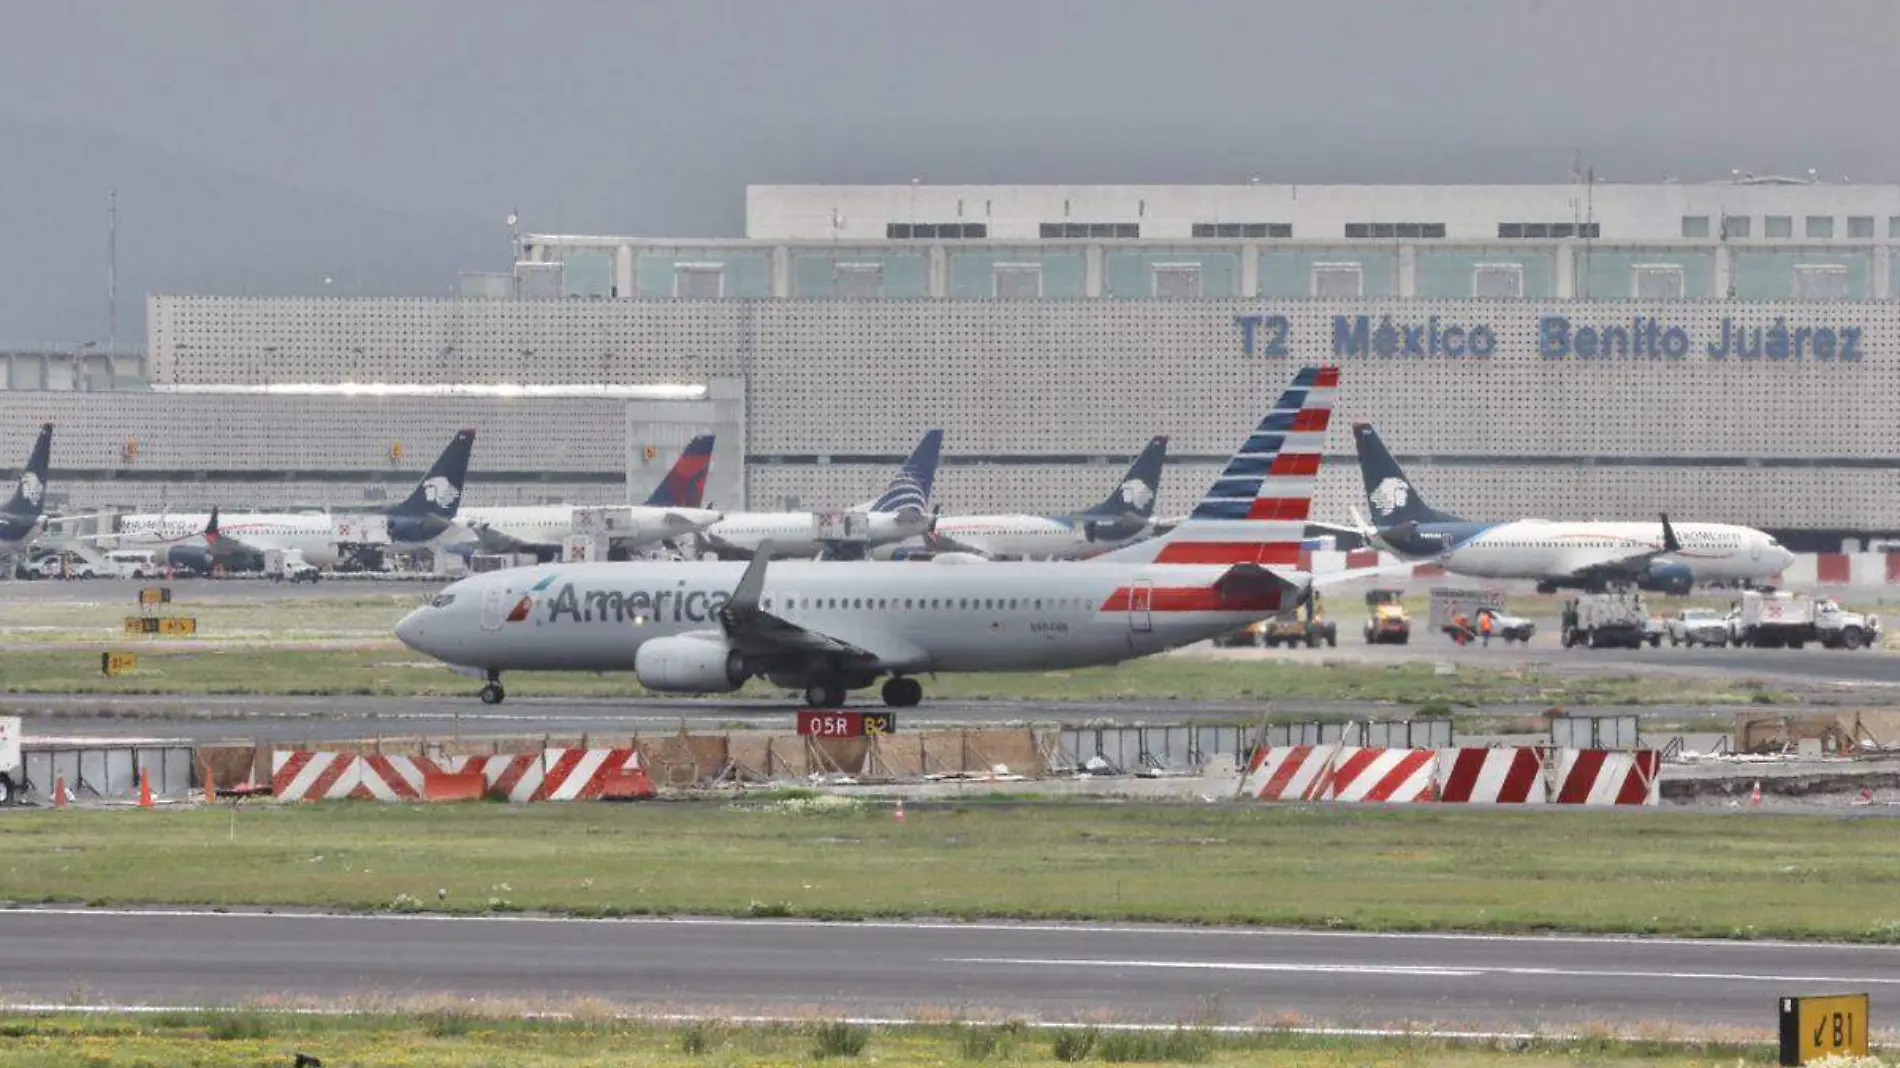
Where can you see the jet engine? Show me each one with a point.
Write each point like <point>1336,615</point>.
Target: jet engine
<point>193,558</point>
<point>688,663</point>
<point>1672,577</point>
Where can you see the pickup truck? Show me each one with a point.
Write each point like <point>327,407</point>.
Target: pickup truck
<point>1698,626</point>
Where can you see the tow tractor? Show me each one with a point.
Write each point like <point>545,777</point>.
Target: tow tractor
<point>1386,618</point>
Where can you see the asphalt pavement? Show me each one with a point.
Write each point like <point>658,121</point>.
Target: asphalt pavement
<point>1050,972</point>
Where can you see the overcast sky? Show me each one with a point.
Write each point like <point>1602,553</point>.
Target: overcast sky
<point>651,117</point>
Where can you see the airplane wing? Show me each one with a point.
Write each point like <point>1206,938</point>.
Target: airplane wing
<point>490,540</point>
<point>749,627</point>
<point>1630,565</point>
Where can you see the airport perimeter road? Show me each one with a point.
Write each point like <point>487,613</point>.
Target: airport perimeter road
<point>1152,974</point>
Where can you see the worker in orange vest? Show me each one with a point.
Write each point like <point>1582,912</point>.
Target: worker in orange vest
<point>1484,627</point>
<point>1463,626</point>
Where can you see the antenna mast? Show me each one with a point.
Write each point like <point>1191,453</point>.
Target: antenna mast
<point>112,276</point>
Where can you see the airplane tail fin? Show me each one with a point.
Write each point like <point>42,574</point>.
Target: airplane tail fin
<point>29,496</point>
<point>1134,495</point>
<point>439,493</point>
<point>910,488</point>
<point>685,484</point>
<point>1256,510</point>
<point>1391,496</point>
<point>211,527</point>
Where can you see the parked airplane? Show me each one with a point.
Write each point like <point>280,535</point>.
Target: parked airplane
<point>21,517</point>
<point>829,628</point>
<point>425,519</point>
<point>671,511</point>
<point>1123,516</point>
<point>1558,555</point>
<point>901,512</point>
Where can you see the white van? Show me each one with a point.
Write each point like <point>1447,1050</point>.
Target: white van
<point>134,563</point>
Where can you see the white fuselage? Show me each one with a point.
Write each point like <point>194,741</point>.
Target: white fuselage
<point>312,534</point>
<point>1020,537</point>
<point>1543,549</point>
<point>917,617</point>
<point>797,534</point>
<point>550,524</point>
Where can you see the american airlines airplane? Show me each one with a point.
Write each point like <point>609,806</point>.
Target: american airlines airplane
<point>671,511</point>
<point>830,628</point>
<point>20,518</point>
<point>901,512</point>
<point>1559,555</point>
<point>1123,516</point>
<point>425,519</point>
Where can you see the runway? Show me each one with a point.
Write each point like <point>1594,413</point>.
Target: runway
<point>1050,972</point>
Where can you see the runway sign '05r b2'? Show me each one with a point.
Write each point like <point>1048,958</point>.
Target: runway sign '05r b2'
<point>1813,1028</point>
<point>845,724</point>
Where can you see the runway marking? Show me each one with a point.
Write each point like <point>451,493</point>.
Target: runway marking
<point>846,926</point>
<point>1421,971</point>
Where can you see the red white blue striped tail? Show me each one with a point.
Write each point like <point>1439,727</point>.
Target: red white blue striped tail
<point>1256,511</point>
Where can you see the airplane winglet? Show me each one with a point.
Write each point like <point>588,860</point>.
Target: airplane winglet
<point>1670,544</point>
<point>743,608</point>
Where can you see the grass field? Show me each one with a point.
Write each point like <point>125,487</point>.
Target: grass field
<point>85,616</point>
<point>1645,872</point>
<point>455,1039</point>
<point>1185,677</point>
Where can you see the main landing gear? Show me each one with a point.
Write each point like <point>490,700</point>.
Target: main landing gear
<point>492,693</point>
<point>899,692</point>
<point>903,692</point>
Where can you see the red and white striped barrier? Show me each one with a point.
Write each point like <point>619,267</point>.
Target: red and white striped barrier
<point>302,775</point>
<point>1607,777</point>
<point>1288,773</point>
<point>1390,775</point>
<point>1491,776</point>
<point>548,775</point>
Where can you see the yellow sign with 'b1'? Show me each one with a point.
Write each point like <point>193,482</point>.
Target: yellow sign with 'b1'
<point>1813,1028</point>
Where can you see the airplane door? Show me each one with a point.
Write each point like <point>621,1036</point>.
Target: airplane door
<point>1141,606</point>
<point>494,607</point>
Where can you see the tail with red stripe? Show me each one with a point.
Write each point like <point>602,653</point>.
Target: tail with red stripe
<point>1256,511</point>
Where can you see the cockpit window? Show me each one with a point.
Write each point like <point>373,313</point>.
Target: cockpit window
<point>442,600</point>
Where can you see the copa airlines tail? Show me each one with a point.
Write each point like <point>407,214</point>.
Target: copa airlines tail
<point>20,517</point>
<point>910,487</point>
<point>830,628</point>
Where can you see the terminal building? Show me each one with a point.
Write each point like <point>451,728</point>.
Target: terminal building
<point>1726,350</point>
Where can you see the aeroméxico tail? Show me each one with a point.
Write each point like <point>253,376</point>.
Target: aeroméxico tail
<point>238,541</point>
<point>20,518</point>
<point>830,628</point>
<point>1558,555</point>
<point>1120,518</point>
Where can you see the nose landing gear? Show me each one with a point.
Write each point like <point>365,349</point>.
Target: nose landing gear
<point>492,693</point>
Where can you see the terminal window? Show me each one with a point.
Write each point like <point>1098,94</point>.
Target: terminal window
<point>1017,281</point>
<point>1860,226</point>
<point>1735,226</point>
<point>1695,226</point>
<point>1820,281</point>
<point>1497,281</point>
<point>699,281</point>
<point>1395,230</point>
<point>1587,230</point>
<point>1073,230</point>
<point>1338,280</point>
<point>1893,226</point>
<point>953,231</point>
<point>863,281</point>
<point>1243,229</point>
<point>1177,281</point>
<point>1820,226</point>
<point>1777,226</point>
<point>1656,281</point>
